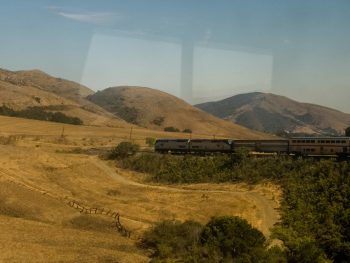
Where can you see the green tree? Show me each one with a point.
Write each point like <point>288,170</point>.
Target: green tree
<point>347,131</point>
<point>232,238</point>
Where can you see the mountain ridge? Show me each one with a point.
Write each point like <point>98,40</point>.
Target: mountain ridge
<point>35,88</point>
<point>156,109</point>
<point>275,113</point>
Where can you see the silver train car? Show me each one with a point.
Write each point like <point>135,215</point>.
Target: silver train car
<point>320,146</point>
<point>305,146</point>
<point>193,146</point>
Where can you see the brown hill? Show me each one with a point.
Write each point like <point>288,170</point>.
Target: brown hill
<point>273,113</point>
<point>156,110</point>
<point>22,89</point>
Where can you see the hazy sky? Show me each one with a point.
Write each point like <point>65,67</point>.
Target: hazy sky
<point>197,49</point>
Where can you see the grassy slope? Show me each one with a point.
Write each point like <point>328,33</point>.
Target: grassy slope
<point>24,89</point>
<point>36,177</point>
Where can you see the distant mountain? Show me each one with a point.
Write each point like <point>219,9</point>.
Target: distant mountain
<point>156,110</point>
<point>22,89</point>
<point>272,113</point>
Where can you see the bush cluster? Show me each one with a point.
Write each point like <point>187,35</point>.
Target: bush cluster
<point>123,150</point>
<point>173,129</point>
<point>222,239</point>
<point>315,212</point>
<point>39,113</point>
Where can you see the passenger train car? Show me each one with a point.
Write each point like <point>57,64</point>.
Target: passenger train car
<point>306,146</point>
<point>320,146</point>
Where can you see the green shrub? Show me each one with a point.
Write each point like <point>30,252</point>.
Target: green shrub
<point>123,150</point>
<point>158,121</point>
<point>234,238</point>
<point>171,129</point>
<point>223,239</point>
<point>171,239</point>
<point>150,141</point>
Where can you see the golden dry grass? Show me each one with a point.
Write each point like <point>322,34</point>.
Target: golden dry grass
<point>37,178</point>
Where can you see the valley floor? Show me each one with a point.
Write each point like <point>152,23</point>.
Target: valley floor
<point>40,174</point>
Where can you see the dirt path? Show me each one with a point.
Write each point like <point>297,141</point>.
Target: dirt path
<point>265,206</point>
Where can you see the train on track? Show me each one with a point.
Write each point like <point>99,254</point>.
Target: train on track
<point>303,146</point>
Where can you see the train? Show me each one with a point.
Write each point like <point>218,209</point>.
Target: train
<point>303,146</point>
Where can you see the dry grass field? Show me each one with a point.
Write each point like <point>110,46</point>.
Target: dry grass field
<point>41,171</point>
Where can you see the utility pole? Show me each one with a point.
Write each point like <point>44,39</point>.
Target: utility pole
<point>187,60</point>
<point>130,134</point>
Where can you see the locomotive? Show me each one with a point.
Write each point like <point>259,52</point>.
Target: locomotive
<point>306,146</point>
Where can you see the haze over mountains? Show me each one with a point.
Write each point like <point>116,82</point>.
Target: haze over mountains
<point>153,109</point>
<point>113,107</point>
<point>272,113</point>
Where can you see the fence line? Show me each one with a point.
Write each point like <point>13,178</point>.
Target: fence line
<point>76,205</point>
<point>101,211</point>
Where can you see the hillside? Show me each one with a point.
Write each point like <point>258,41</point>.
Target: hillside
<point>156,110</point>
<point>273,113</point>
<point>22,89</point>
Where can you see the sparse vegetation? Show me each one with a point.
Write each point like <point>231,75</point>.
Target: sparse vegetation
<point>187,131</point>
<point>150,141</point>
<point>158,121</point>
<point>39,113</point>
<point>87,222</point>
<point>9,140</point>
<point>171,129</point>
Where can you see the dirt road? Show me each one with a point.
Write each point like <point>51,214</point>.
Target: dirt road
<point>265,206</point>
